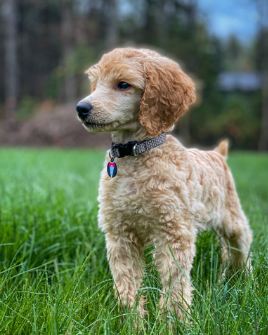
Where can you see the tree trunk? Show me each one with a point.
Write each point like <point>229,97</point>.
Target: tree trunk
<point>67,30</point>
<point>112,25</point>
<point>263,12</point>
<point>11,61</point>
<point>263,143</point>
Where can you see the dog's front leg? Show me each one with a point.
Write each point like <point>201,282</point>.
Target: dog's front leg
<point>174,256</point>
<point>127,263</point>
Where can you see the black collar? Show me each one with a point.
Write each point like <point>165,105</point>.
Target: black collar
<point>135,148</point>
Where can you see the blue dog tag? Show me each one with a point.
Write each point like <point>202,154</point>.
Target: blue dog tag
<point>112,168</point>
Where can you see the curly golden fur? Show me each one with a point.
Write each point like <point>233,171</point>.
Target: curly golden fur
<point>167,95</point>
<point>166,195</point>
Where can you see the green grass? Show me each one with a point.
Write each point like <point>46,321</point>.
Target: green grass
<point>55,278</point>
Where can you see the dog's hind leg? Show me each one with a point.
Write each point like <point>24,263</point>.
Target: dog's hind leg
<point>127,263</point>
<point>237,241</point>
<point>237,235</point>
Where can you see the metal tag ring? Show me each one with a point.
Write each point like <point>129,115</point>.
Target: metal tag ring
<point>134,150</point>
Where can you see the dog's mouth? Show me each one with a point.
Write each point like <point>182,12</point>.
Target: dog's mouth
<point>92,125</point>
<point>97,127</point>
<point>89,124</point>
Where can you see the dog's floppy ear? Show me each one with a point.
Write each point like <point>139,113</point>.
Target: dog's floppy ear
<point>167,95</point>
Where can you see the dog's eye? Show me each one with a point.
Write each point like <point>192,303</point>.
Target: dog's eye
<point>123,86</point>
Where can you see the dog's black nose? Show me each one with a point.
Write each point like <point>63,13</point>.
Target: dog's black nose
<point>83,110</point>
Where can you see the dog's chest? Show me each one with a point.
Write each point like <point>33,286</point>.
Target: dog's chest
<point>126,187</point>
<point>125,198</point>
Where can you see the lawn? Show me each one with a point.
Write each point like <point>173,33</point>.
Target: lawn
<point>55,278</point>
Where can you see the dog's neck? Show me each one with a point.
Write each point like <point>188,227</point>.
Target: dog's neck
<point>135,133</point>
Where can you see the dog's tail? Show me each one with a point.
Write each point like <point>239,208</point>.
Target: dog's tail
<point>222,148</point>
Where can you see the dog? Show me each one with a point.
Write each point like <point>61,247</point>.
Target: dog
<point>162,194</point>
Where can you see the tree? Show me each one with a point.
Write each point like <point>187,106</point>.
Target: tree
<point>68,45</point>
<point>112,24</point>
<point>11,61</point>
<point>263,54</point>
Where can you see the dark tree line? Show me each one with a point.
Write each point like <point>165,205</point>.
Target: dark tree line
<point>45,46</point>
<point>48,42</point>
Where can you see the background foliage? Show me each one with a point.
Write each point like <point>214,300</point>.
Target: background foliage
<point>54,42</point>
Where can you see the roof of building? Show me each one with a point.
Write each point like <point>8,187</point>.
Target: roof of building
<point>241,81</point>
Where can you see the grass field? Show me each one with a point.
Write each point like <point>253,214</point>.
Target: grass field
<point>55,277</point>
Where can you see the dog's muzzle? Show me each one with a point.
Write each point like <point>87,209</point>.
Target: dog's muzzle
<point>83,110</point>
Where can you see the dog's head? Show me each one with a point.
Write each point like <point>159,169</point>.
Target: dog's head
<point>129,86</point>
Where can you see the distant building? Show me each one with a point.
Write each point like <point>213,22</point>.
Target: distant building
<point>239,81</point>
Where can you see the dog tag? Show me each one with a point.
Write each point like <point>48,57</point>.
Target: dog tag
<point>112,168</point>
